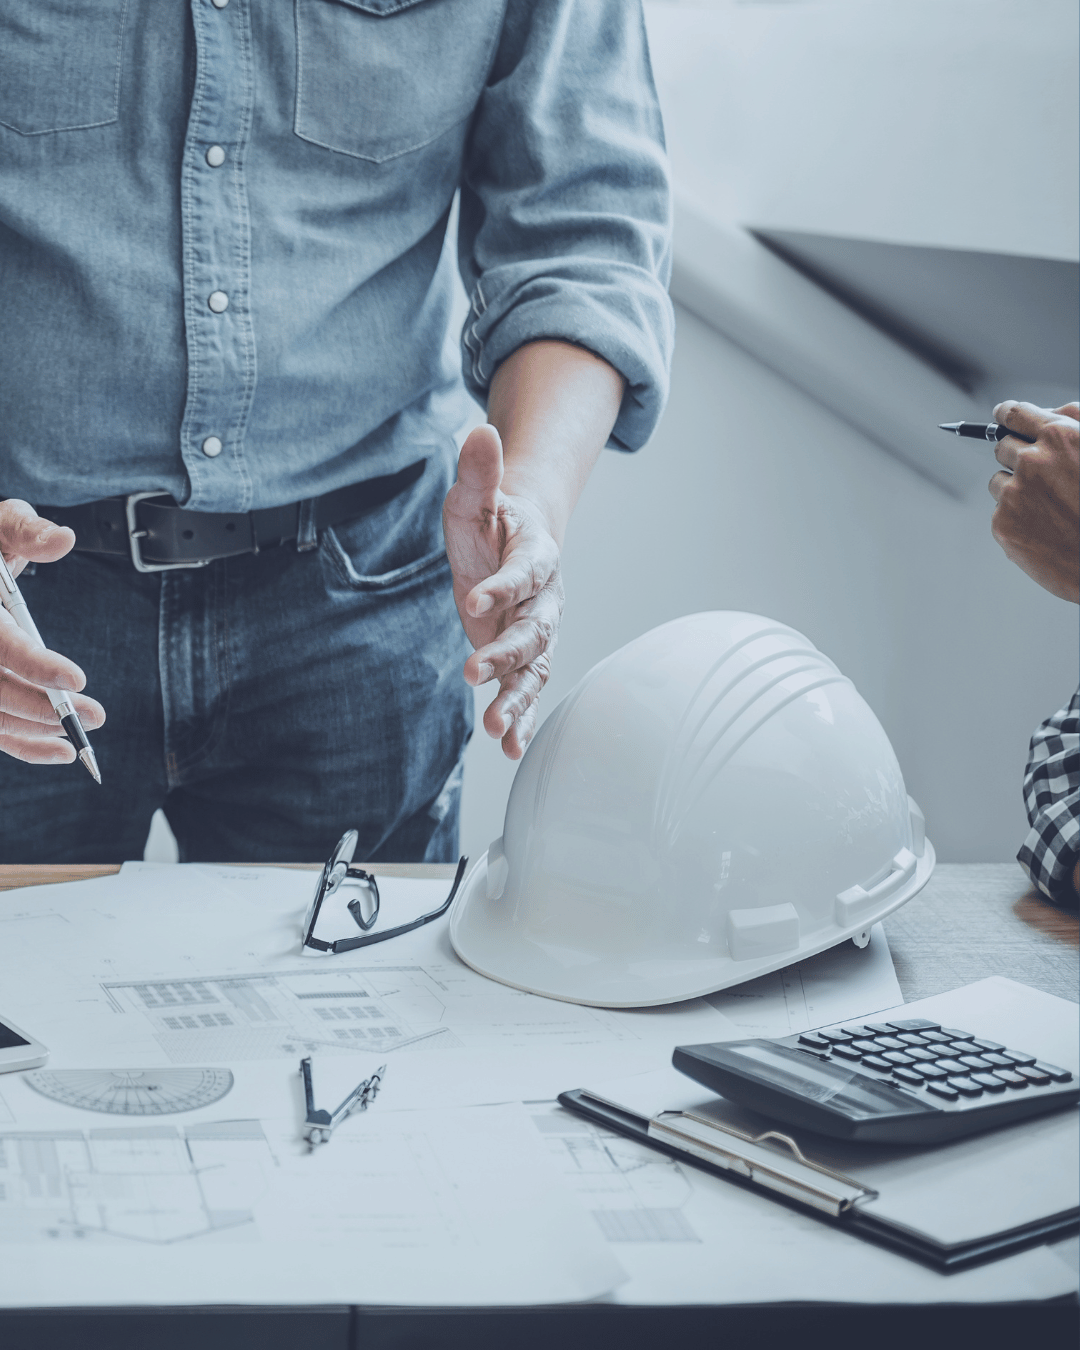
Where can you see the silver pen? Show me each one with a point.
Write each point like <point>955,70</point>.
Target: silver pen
<point>12,599</point>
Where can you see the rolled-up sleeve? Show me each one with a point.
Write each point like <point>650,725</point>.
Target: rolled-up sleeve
<point>565,222</point>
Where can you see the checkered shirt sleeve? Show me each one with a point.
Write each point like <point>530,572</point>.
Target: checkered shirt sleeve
<point>1052,797</point>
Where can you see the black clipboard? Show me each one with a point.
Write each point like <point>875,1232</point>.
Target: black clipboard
<point>863,1225</point>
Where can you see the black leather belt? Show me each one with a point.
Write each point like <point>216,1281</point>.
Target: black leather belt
<point>157,534</point>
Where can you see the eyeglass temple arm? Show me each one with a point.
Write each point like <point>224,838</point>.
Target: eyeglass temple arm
<point>351,944</point>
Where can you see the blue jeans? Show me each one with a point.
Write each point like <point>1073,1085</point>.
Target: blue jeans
<point>267,703</point>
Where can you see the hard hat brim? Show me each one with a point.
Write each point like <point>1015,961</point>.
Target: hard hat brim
<point>485,938</point>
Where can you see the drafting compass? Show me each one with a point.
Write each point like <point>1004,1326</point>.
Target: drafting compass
<point>319,1125</point>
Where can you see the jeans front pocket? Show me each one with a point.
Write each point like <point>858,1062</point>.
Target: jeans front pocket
<point>417,572</point>
<point>378,78</point>
<point>60,64</point>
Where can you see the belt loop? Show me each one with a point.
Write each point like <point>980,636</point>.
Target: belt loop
<point>307,533</point>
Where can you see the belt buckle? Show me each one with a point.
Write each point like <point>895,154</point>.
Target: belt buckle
<point>135,534</point>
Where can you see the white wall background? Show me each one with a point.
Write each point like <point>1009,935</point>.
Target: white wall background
<point>948,123</point>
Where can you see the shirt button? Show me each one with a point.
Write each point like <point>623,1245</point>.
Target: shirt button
<point>219,4</point>
<point>211,447</point>
<point>218,302</point>
<point>215,156</point>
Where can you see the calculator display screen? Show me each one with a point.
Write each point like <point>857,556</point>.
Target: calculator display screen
<point>841,1089</point>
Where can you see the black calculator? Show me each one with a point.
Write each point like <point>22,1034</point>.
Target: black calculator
<point>908,1081</point>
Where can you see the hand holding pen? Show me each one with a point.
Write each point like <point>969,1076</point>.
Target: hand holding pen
<point>1037,517</point>
<point>37,687</point>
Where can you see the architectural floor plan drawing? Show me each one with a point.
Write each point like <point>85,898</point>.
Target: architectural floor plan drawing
<point>634,1193</point>
<point>132,1092</point>
<point>146,1184</point>
<point>376,1009</point>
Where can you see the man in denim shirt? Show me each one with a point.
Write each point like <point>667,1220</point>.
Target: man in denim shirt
<point>226,280</point>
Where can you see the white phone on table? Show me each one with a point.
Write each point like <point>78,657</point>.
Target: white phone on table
<point>18,1049</point>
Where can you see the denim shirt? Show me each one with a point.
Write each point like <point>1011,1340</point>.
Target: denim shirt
<point>225,270</point>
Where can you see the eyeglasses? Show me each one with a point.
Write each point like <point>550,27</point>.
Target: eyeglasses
<point>365,907</point>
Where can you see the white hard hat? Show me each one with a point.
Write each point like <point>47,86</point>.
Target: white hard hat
<point>712,802</point>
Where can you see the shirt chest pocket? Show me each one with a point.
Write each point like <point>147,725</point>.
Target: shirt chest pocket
<point>378,78</point>
<point>60,64</point>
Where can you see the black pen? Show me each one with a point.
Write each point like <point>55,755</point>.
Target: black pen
<point>12,599</point>
<point>983,431</point>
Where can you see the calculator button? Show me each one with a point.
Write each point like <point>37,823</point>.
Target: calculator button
<point>1018,1056</point>
<point>967,1087</point>
<point>943,1090</point>
<point>998,1061</point>
<point>882,1065</point>
<point>876,1029</point>
<point>836,1036</point>
<point>929,1071</point>
<point>908,1076</point>
<point>990,1081</point>
<point>957,1048</point>
<point>935,1037</point>
<point>1033,1074</point>
<point>1058,1075</point>
<point>952,1066</point>
<point>865,1047</point>
<point>1012,1078</point>
<point>853,1032</point>
<point>912,1038</point>
<point>987,1045</point>
<point>914,1024</point>
<point>847,1052</point>
<point>816,1042</point>
<point>974,1062</point>
<point>923,1055</point>
<point>897,1057</point>
<point>956,1035</point>
<point>889,1043</point>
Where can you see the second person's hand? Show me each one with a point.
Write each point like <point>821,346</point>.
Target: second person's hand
<point>1037,517</point>
<point>29,728</point>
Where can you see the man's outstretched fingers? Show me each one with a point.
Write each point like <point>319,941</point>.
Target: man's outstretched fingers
<point>33,663</point>
<point>38,750</point>
<point>26,536</point>
<point>527,570</point>
<point>479,473</point>
<point>1026,418</point>
<point>31,703</point>
<point>518,693</point>
<point>528,637</point>
<point>516,741</point>
<point>998,484</point>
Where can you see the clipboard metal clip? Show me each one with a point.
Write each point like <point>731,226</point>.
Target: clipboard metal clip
<point>758,1159</point>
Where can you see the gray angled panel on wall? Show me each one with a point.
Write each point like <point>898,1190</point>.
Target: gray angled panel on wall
<point>735,283</point>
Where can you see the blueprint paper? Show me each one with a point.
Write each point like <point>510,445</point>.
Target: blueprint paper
<point>181,949</point>
<point>223,1203</point>
<point>832,986</point>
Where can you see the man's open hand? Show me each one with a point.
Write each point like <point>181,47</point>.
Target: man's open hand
<point>507,587</point>
<point>29,729</point>
<point>1037,517</point>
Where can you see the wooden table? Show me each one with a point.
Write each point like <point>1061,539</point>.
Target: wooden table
<point>971,920</point>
